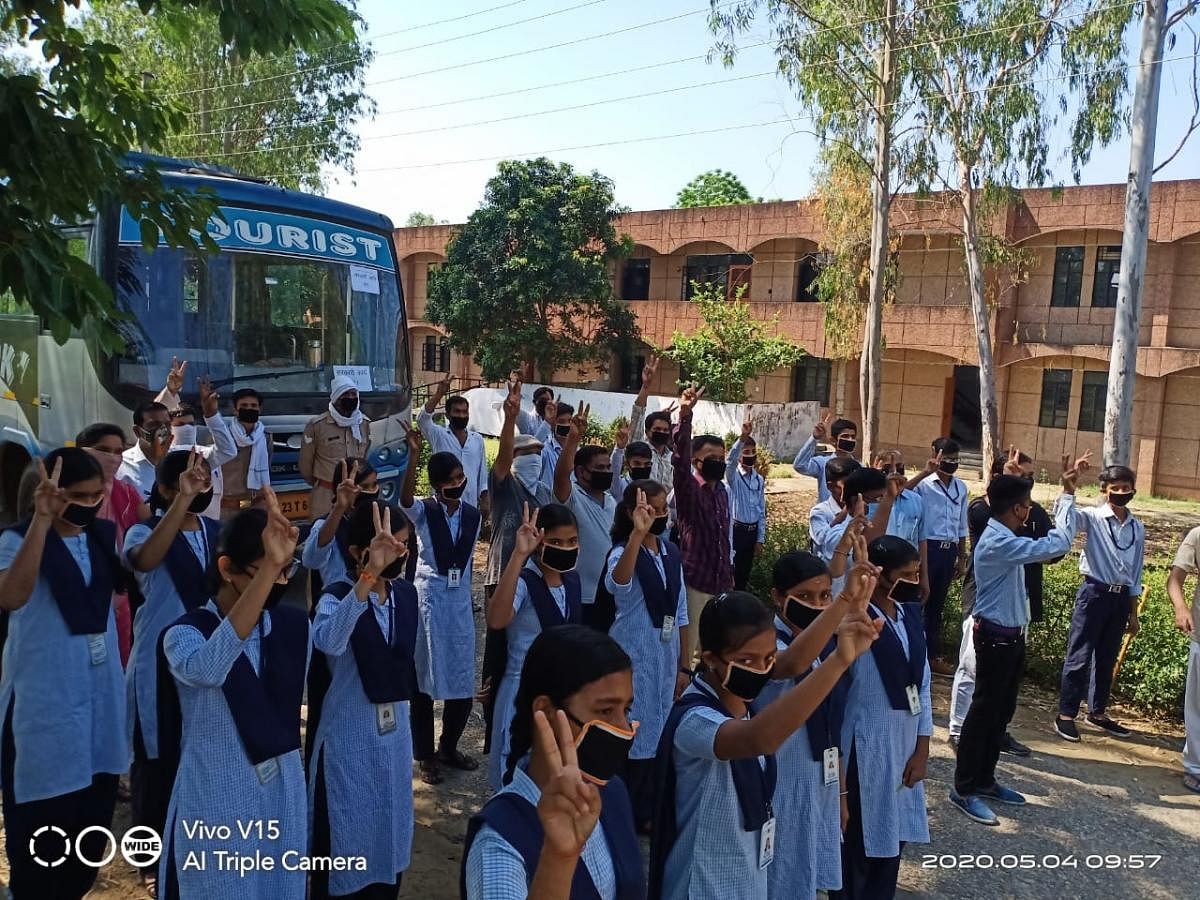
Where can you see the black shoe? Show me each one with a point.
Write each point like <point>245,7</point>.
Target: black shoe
<point>431,773</point>
<point>1013,747</point>
<point>1104,723</point>
<point>457,760</point>
<point>1066,729</point>
<point>953,742</point>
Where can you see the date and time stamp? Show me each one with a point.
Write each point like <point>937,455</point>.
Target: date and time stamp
<point>1045,861</point>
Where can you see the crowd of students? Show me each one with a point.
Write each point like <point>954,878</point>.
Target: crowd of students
<point>767,746</point>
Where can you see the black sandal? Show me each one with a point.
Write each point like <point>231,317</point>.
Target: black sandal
<point>430,772</point>
<point>456,759</point>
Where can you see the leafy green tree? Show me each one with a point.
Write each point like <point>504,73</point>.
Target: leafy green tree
<point>731,346</point>
<point>526,280</point>
<point>418,219</point>
<point>67,127</point>
<point>284,116</point>
<point>715,188</point>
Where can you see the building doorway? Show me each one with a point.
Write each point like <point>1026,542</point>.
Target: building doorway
<point>966,420</point>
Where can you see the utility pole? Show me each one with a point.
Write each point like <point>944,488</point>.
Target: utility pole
<point>871,363</point>
<point>147,77</point>
<point>1122,368</point>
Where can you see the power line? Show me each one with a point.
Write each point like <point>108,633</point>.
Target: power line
<point>543,112</point>
<point>782,121</point>
<point>359,56</point>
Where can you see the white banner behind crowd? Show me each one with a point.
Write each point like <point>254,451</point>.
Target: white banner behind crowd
<point>781,427</point>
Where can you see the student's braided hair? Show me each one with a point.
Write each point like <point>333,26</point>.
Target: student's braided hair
<point>561,661</point>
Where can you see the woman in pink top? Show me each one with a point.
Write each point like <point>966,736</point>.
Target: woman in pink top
<point>122,506</point>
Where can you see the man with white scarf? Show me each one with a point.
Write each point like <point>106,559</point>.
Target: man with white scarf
<point>250,471</point>
<point>341,432</point>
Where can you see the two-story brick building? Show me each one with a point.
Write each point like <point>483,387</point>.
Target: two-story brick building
<point>1052,332</point>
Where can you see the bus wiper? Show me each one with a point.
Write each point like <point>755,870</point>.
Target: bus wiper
<point>266,376</point>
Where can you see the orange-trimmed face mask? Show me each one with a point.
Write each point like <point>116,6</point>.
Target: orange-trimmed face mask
<point>602,748</point>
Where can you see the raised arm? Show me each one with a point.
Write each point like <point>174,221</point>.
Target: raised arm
<point>192,480</point>
<point>344,498</point>
<point>803,463</point>
<point>643,518</point>
<point>684,480</point>
<point>169,395</point>
<point>434,401</point>
<point>566,460</point>
<point>501,606</point>
<point>409,488</point>
<point>224,449</point>
<point>18,580</point>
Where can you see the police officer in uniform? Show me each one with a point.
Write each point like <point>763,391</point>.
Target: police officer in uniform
<point>341,432</point>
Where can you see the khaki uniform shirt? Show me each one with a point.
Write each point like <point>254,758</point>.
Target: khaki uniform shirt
<point>327,443</point>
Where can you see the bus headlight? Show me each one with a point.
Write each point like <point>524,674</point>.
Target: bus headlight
<point>385,453</point>
<point>387,491</point>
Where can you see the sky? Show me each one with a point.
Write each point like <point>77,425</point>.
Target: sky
<point>437,160</point>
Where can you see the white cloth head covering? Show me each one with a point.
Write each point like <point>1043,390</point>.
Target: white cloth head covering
<point>340,385</point>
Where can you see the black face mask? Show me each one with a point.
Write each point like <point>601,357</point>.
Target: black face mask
<point>749,461</point>
<point>1115,499</point>
<point>81,516</point>
<point>458,423</point>
<point>639,473</point>
<point>562,431</point>
<point>365,497</point>
<point>746,683</point>
<point>905,592</point>
<point>602,749</point>
<point>660,438</point>
<point>346,407</point>
<point>200,502</point>
<point>800,614</point>
<point>247,416</point>
<point>453,493</point>
<point>394,569</point>
<point>659,525</point>
<point>560,559</point>
<point>847,444</point>
<point>949,466</point>
<point>600,481</point>
<point>712,469</point>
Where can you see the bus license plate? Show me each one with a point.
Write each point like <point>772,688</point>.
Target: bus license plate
<point>294,506</point>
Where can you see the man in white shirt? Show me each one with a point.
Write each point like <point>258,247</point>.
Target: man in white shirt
<point>152,430</point>
<point>455,438</point>
<point>184,434</point>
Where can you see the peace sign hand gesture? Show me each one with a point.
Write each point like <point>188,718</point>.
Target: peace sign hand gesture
<point>688,399</point>
<point>1012,465</point>
<point>569,807</point>
<point>643,514</point>
<point>175,375</point>
<point>385,548</point>
<point>747,425</point>
<point>280,536</point>
<point>529,536</point>
<point>934,463</point>
<point>210,400</point>
<point>348,489</point>
<point>821,429</point>
<point>512,403</point>
<point>49,500</point>
<point>1072,471</point>
<point>579,422</point>
<point>195,478</point>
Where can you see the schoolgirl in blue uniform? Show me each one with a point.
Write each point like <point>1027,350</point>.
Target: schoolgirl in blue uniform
<point>809,796</point>
<point>446,531</point>
<point>62,697</point>
<point>535,592</point>
<point>644,578</point>
<point>886,729</point>
<point>562,826</point>
<point>236,668</point>
<point>368,631</point>
<point>715,827</point>
<point>172,555</point>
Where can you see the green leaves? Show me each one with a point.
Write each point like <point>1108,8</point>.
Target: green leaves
<point>715,188</point>
<point>527,278</point>
<point>730,347</point>
<point>68,126</point>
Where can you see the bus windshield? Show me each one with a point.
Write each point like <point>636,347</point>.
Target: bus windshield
<point>281,322</point>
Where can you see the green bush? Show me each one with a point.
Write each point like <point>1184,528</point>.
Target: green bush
<point>782,537</point>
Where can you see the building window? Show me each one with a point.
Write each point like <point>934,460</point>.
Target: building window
<point>1108,271</point>
<point>436,354</point>
<point>807,271</point>
<point>729,271</point>
<point>810,380</point>
<point>631,371</point>
<point>635,282</point>
<point>1093,400</point>
<point>1068,276</point>
<point>1056,398</point>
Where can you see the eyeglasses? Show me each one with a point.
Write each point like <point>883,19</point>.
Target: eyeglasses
<point>288,571</point>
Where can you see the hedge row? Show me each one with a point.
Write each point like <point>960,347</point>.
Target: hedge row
<point>1154,669</point>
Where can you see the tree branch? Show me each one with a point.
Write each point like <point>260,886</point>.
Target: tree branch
<point>1194,121</point>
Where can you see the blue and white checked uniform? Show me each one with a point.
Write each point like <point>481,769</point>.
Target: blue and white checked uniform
<point>907,520</point>
<point>522,631</point>
<point>162,607</point>
<point>808,464</point>
<point>216,782</point>
<point>808,838</point>
<point>471,455</point>
<point>68,716</point>
<point>368,775</point>
<point>999,559</point>
<point>445,655</point>
<point>713,855</point>
<point>655,661</point>
<point>884,739</point>
<point>945,509</point>
<point>820,519</point>
<point>830,538</point>
<point>747,493</point>
<point>1115,551</point>
<point>326,561</point>
<point>496,871</point>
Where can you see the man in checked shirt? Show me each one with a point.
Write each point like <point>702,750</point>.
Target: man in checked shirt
<point>702,511</point>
